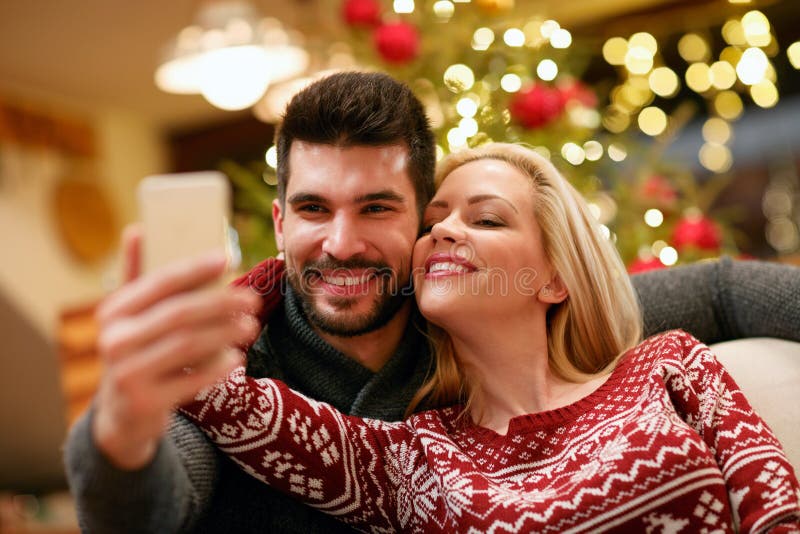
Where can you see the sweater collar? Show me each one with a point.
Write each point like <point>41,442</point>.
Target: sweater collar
<point>314,367</point>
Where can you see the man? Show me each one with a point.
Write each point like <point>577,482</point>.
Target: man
<point>355,167</point>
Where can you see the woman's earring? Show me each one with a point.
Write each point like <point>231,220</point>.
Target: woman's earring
<point>545,291</point>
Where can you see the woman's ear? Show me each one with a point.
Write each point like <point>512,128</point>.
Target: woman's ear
<point>553,292</point>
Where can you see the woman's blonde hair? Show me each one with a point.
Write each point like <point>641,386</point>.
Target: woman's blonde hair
<point>595,324</point>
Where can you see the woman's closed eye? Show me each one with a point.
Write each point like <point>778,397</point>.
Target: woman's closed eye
<point>490,222</point>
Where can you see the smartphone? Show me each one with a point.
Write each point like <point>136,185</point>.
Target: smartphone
<point>183,216</point>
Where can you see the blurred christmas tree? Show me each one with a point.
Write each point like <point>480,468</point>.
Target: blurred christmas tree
<point>489,70</point>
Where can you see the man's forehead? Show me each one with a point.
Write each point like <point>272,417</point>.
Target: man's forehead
<point>392,150</point>
<point>361,169</point>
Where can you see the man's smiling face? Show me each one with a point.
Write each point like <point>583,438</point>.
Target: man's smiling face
<point>347,231</point>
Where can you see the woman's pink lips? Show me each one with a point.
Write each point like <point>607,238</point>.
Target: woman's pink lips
<point>448,258</point>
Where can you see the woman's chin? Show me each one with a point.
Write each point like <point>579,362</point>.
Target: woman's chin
<point>443,309</point>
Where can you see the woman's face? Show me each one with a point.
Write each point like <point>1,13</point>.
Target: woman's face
<point>480,254</point>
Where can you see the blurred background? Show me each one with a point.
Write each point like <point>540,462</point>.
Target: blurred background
<point>679,120</point>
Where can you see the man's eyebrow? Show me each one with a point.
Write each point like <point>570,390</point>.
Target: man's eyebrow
<point>481,198</point>
<point>297,198</point>
<point>386,195</point>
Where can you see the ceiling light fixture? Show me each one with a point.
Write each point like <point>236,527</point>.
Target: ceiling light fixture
<point>231,55</point>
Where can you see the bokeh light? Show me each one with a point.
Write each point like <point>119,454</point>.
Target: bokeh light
<point>468,126</point>
<point>716,130</point>
<point>698,77</point>
<point>793,52</point>
<point>668,256</point>
<point>403,6</point>
<point>715,158</point>
<point>756,28</point>
<point>514,37</point>
<point>482,38</point>
<point>752,67</point>
<point>617,152</point>
<point>653,218</point>
<point>614,50</point>
<point>547,70</point>
<point>728,105</point>
<point>510,83</point>
<point>271,157</point>
<point>561,38</point>
<point>459,78</point>
<point>456,138</point>
<point>467,107</point>
<point>652,121</point>
<point>615,119</point>
<point>733,33</point>
<point>638,60</point>
<point>664,82</point>
<point>693,48</point>
<point>444,9</point>
<point>593,150</point>
<point>573,153</point>
<point>764,94</point>
<point>549,27</point>
<point>723,75</point>
<point>644,40</point>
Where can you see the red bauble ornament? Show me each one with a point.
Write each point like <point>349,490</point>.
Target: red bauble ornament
<point>536,106</point>
<point>642,266</point>
<point>397,42</point>
<point>696,231</point>
<point>657,189</point>
<point>361,12</point>
<point>579,92</point>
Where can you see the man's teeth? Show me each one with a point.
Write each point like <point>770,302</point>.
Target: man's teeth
<point>346,280</point>
<point>447,266</point>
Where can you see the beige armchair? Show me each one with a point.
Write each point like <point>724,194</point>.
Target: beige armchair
<point>768,371</point>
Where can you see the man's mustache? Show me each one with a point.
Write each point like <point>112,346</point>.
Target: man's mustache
<point>330,265</point>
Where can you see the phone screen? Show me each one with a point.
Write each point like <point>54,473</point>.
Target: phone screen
<point>183,216</point>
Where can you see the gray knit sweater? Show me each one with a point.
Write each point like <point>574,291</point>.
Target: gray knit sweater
<point>190,487</point>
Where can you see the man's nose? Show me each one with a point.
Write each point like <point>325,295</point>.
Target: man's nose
<point>344,238</point>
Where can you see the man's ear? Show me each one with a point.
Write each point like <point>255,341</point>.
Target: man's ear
<point>554,292</point>
<point>277,220</point>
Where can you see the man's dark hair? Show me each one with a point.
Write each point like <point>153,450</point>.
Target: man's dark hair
<point>360,108</point>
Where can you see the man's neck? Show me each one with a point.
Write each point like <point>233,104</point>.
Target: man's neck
<point>374,349</point>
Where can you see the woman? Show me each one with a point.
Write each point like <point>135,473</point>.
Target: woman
<point>558,421</point>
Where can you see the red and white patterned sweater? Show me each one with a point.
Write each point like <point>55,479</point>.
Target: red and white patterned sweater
<point>668,444</point>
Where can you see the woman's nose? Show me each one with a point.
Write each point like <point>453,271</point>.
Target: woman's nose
<point>448,229</point>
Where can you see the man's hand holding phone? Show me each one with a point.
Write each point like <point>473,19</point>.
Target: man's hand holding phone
<point>164,336</point>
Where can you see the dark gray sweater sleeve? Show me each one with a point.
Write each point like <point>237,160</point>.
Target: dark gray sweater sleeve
<point>167,495</point>
<point>722,300</point>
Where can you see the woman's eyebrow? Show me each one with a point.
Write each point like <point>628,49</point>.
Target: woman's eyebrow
<point>481,198</point>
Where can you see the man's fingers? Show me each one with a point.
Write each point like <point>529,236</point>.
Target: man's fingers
<point>190,384</point>
<point>189,310</point>
<point>147,290</point>
<point>132,252</point>
<point>186,348</point>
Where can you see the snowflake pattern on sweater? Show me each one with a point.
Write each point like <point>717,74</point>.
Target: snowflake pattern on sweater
<point>667,444</point>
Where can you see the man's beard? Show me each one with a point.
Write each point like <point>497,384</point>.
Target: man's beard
<point>388,299</point>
